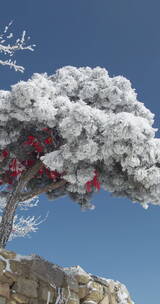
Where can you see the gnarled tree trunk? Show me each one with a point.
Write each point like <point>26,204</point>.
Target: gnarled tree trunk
<point>12,203</point>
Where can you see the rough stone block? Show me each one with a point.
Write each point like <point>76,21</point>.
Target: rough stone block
<point>72,283</point>
<point>2,300</point>
<point>113,299</point>
<point>69,296</point>
<point>45,292</point>
<point>48,272</point>
<point>96,292</point>
<point>78,273</point>
<point>7,254</point>
<point>11,302</point>
<point>21,269</point>
<point>111,286</point>
<point>2,267</point>
<point>12,276</point>
<point>105,300</point>
<point>4,290</point>
<point>105,290</point>
<point>83,291</point>
<point>26,287</point>
<point>4,279</point>
<point>82,278</point>
<point>34,301</point>
<point>20,298</point>
<point>73,298</point>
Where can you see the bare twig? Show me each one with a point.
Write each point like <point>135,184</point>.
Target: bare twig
<point>10,49</point>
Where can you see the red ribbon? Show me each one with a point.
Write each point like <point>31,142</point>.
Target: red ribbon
<point>94,182</point>
<point>48,140</point>
<point>33,142</point>
<point>5,153</point>
<point>16,168</point>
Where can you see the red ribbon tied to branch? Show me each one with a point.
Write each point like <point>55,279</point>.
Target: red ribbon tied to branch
<point>15,167</point>
<point>52,174</point>
<point>5,153</point>
<point>48,140</point>
<point>33,142</point>
<point>94,182</point>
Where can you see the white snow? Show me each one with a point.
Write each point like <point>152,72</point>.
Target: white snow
<point>8,268</point>
<point>101,123</point>
<point>75,270</point>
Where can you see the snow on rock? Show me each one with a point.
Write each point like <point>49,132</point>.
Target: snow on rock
<point>115,292</point>
<point>31,278</point>
<point>77,272</point>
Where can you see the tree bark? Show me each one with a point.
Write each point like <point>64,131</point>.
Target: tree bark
<point>28,195</point>
<point>12,203</point>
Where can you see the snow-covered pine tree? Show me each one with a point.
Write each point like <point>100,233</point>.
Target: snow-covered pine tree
<point>69,134</point>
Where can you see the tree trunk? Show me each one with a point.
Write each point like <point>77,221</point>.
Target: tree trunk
<point>12,203</point>
<point>7,220</point>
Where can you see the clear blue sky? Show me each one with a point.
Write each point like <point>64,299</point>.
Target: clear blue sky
<point>117,240</point>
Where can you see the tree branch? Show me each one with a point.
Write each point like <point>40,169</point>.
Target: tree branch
<point>30,173</point>
<point>12,64</point>
<point>28,195</point>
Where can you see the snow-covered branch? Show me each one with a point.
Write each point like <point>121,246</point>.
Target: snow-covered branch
<point>24,226</point>
<point>9,49</point>
<point>12,64</point>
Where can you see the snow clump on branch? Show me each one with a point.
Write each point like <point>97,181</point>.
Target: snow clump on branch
<point>104,131</point>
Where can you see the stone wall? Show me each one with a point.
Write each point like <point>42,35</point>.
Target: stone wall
<point>32,280</point>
